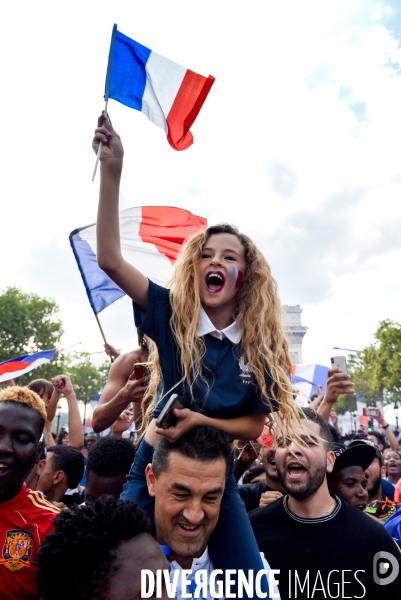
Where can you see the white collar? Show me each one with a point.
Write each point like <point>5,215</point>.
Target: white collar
<point>197,563</point>
<point>232,332</point>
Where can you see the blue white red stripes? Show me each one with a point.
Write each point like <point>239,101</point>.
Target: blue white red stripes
<point>170,95</point>
<point>15,367</point>
<point>151,239</point>
<point>306,378</point>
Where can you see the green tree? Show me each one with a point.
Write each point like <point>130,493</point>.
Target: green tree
<point>376,371</point>
<point>86,378</point>
<point>28,323</point>
<point>345,403</point>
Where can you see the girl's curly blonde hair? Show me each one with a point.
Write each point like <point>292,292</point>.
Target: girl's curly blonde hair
<point>258,312</point>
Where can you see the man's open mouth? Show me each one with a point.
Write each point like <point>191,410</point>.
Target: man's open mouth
<point>361,506</point>
<point>215,281</point>
<point>295,471</point>
<point>189,530</point>
<point>4,468</point>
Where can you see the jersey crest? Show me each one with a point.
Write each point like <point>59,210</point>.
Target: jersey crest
<point>17,549</point>
<point>246,371</point>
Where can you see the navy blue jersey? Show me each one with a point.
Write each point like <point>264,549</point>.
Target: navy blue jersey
<point>230,389</point>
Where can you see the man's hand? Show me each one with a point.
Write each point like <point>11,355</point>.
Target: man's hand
<point>62,384</point>
<point>111,351</point>
<point>186,420</point>
<point>269,497</point>
<point>112,149</point>
<point>380,419</point>
<point>123,422</point>
<point>337,383</point>
<point>134,389</point>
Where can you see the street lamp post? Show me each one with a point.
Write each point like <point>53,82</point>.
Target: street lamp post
<point>347,349</point>
<point>58,418</point>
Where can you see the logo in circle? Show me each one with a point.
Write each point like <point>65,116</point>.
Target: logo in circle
<point>381,566</point>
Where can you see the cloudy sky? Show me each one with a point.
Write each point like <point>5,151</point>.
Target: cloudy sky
<point>298,144</point>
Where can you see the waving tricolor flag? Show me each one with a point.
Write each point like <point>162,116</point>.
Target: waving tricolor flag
<point>306,378</point>
<point>15,367</point>
<point>170,95</point>
<point>151,239</point>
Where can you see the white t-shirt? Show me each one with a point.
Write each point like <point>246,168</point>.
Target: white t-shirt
<point>204,563</point>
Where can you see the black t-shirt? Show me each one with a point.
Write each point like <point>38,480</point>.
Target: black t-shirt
<point>330,557</point>
<point>251,493</point>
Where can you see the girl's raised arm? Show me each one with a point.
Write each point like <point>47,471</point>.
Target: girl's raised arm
<point>109,256</point>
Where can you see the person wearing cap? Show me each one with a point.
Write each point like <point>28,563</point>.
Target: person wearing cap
<point>379,504</point>
<point>347,479</point>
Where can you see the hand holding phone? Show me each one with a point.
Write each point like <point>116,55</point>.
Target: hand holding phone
<point>167,418</point>
<point>339,362</point>
<point>141,369</point>
<point>371,411</point>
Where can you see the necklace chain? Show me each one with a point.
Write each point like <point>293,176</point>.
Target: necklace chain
<point>329,511</point>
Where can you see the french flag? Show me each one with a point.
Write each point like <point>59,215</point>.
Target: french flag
<point>306,378</point>
<point>170,95</point>
<point>151,239</point>
<point>15,367</point>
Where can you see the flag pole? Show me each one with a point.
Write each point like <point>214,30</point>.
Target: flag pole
<point>99,150</point>
<point>102,332</point>
<point>106,95</point>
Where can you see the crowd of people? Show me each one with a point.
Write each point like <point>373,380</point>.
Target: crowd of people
<point>227,488</point>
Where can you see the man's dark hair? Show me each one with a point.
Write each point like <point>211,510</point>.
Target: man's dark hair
<point>311,415</point>
<point>70,460</point>
<point>110,456</point>
<point>84,542</point>
<point>205,444</point>
<point>380,437</point>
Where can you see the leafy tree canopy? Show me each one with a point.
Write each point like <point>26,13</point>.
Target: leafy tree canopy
<point>376,371</point>
<point>28,323</point>
<point>87,378</point>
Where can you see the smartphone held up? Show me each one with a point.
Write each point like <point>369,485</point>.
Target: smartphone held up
<point>141,369</point>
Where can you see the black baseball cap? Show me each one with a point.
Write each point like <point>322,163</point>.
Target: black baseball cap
<point>359,454</point>
<point>371,444</point>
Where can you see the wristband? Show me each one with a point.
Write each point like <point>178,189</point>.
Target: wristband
<point>385,426</point>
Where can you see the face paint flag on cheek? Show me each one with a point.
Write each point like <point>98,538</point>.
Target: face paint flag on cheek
<point>238,280</point>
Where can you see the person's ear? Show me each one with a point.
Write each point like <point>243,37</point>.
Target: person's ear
<point>330,461</point>
<point>58,477</point>
<point>150,480</point>
<point>40,467</point>
<point>383,471</point>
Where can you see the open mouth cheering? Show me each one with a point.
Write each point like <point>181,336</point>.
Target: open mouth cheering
<point>215,281</point>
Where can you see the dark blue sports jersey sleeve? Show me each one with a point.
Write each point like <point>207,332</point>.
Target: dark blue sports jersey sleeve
<point>227,388</point>
<point>255,405</point>
<point>154,320</point>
